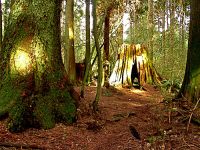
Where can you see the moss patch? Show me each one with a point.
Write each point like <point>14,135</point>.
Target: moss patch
<point>8,96</point>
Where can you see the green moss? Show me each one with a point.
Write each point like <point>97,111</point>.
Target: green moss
<point>55,106</point>
<point>44,112</point>
<point>16,121</point>
<point>66,110</point>
<point>8,96</point>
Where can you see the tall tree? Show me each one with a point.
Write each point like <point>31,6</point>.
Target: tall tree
<point>164,33</point>
<point>106,44</point>
<point>150,28</point>
<point>100,69</point>
<point>172,28</point>
<point>87,54</point>
<point>34,91</point>
<point>191,84</point>
<point>69,54</point>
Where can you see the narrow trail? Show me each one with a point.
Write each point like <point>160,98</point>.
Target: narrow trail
<point>121,110</point>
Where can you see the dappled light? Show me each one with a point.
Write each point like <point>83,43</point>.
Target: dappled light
<point>138,91</point>
<point>21,62</point>
<point>71,33</point>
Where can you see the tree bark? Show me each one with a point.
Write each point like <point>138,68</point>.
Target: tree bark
<point>87,54</point>
<point>172,27</point>
<point>191,88</point>
<point>0,35</point>
<point>69,54</point>
<point>35,91</point>
<point>100,69</point>
<point>164,35</point>
<point>106,65</point>
<point>150,29</point>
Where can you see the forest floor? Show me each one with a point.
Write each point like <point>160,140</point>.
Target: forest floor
<point>128,119</point>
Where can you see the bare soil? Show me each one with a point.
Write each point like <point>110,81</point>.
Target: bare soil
<point>128,119</point>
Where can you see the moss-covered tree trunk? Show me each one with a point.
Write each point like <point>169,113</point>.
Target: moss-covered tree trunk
<point>34,92</point>
<point>191,84</point>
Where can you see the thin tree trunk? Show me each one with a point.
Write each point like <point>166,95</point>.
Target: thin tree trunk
<point>87,54</point>
<point>172,26</point>
<point>100,69</point>
<point>164,36</point>
<point>106,65</point>
<point>69,54</point>
<point>150,29</point>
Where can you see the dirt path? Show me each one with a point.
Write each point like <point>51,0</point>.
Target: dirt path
<point>124,113</point>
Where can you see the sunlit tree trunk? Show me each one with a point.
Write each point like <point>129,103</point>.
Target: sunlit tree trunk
<point>87,54</point>
<point>35,91</point>
<point>69,55</point>
<point>100,69</point>
<point>191,84</point>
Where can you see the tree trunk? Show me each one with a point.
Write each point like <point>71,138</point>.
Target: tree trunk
<point>172,27</point>
<point>0,34</point>
<point>87,54</point>
<point>69,55</point>
<point>164,36</point>
<point>106,65</point>
<point>150,29</point>
<point>100,69</point>
<point>191,84</point>
<point>34,92</point>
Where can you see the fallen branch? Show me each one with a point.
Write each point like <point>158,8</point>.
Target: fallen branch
<point>21,146</point>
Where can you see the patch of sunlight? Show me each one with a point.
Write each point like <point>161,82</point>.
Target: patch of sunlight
<point>71,33</point>
<point>140,59</point>
<point>21,62</point>
<point>132,103</point>
<point>138,91</point>
<point>138,47</point>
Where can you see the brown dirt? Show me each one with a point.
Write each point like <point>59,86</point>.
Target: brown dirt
<point>159,127</point>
